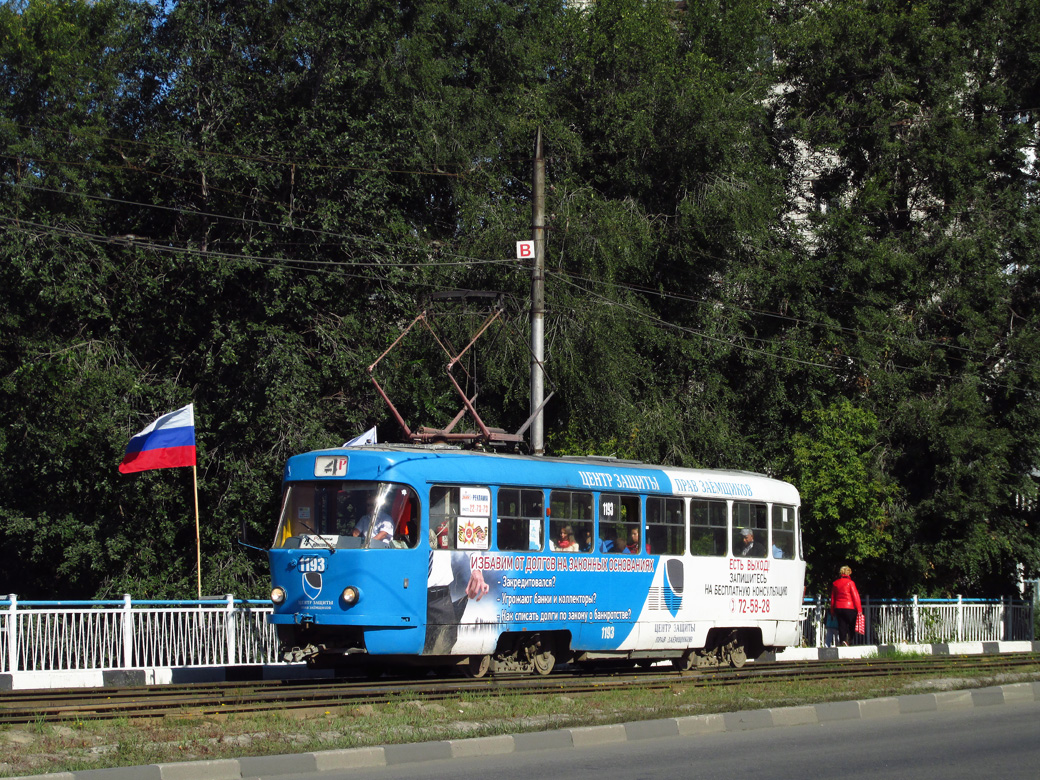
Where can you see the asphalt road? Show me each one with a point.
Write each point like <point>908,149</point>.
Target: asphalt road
<point>982,742</point>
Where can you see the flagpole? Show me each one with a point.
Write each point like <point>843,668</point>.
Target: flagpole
<point>198,545</point>
<point>169,442</point>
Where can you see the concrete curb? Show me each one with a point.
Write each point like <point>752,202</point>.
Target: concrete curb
<point>864,651</point>
<point>156,675</point>
<point>390,755</point>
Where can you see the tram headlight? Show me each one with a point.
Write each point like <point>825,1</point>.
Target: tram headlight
<point>277,595</point>
<point>350,595</point>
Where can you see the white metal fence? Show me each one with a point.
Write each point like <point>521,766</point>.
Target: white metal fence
<point>927,621</point>
<point>127,634</point>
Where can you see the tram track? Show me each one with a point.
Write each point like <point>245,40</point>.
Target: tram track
<point>64,705</point>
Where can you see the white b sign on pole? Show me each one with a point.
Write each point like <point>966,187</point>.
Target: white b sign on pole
<point>525,250</point>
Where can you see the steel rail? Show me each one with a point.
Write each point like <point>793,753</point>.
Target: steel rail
<point>210,698</point>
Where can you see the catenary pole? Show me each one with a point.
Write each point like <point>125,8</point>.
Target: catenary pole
<point>538,298</point>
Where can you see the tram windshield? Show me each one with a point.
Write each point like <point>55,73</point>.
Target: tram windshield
<point>342,514</point>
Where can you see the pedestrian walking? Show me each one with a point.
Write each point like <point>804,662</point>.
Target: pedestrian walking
<point>845,605</point>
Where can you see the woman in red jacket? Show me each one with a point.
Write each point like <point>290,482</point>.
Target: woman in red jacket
<point>845,604</point>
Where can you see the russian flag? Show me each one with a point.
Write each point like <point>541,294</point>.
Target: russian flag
<point>167,443</point>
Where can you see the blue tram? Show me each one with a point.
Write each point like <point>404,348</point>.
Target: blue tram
<point>431,555</point>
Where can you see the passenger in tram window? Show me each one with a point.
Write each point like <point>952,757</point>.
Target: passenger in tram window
<point>586,542</point>
<point>566,542</point>
<point>633,541</point>
<point>383,533</point>
<point>749,547</point>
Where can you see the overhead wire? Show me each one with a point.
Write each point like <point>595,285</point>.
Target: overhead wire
<point>395,170</point>
<point>300,262</point>
<point>859,332</point>
<point>737,341</point>
<point>459,260</point>
<point>733,341</point>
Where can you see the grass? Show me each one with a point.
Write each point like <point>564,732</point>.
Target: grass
<point>890,653</point>
<point>59,747</point>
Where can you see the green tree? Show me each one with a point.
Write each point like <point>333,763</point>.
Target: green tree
<point>903,129</point>
<point>847,497</point>
<point>242,204</point>
<point>68,81</point>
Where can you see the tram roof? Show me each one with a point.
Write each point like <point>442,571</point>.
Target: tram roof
<point>446,463</point>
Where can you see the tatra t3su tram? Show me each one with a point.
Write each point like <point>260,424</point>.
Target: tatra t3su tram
<point>387,555</point>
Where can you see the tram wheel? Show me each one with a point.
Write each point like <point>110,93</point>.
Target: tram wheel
<point>543,662</point>
<point>737,656</point>
<point>685,662</point>
<point>477,665</point>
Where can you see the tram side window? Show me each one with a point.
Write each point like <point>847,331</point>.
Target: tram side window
<point>708,527</point>
<point>570,521</point>
<point>783,532</point>
<point>460,518</point>
<point>444,517</point>
<point>665,526</point>
<point>620,524</point>
<point>519,523</point>
<point>754,517</point>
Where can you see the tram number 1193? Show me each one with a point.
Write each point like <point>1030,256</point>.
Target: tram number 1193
<point>749,606</point>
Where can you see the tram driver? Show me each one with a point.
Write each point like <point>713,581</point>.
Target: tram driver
<point>383,532</point>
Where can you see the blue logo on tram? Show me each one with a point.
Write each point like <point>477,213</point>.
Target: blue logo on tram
<point>674,578</point>
<point>312,584</point>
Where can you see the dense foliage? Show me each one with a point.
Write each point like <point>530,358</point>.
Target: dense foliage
<point>791,238</point>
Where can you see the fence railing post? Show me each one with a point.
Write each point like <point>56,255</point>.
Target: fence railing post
<point>12,634</point>
<point>820,620</point>
<point>960,618</point>
<point>128,632</point>
<point>1031,625</point>
<point>232,644</point>
<point>915,616</point>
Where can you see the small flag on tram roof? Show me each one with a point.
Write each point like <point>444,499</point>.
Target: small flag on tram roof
<point>368,437</point>
<point>167,443</point>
